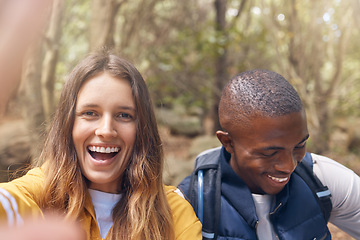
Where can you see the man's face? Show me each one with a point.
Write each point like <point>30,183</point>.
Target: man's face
<point>266,151</point>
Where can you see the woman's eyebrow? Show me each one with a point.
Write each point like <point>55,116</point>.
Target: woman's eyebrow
<point>92,105</point>
<point>126,108</point>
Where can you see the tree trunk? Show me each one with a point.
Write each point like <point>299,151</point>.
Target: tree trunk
<point>31,98</point>
<point>103,23</point>
<point>307,57</point>
<point>221,75</point>
<point>51,57</point>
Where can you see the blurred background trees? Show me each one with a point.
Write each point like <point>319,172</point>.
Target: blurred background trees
<point>187,50</point>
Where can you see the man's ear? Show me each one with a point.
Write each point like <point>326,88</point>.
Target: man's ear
<point>226,141</point>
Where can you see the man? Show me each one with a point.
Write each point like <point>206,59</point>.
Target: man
<point>263,140</point>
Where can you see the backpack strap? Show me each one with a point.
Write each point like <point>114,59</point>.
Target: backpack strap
<point>321,192</point>
<point>205,191</point>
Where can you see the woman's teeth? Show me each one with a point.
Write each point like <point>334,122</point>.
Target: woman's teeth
<point>103,149</point>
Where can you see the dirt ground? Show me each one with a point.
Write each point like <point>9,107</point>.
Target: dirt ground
<point>338,234</point>
<point>177,151</point>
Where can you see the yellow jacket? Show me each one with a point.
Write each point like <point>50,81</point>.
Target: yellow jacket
<point>18,199</point>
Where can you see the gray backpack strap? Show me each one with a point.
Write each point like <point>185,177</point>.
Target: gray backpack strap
<point>321,192</point>
<point>205,191</point>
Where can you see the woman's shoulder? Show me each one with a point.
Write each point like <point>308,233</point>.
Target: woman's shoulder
<point>172,191</point>
<point>34,176</point>
<point>186,224</point>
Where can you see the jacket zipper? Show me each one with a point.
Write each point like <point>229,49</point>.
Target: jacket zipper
<point>272,213</point>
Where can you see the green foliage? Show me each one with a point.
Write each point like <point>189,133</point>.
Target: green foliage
<point>74,41</point>
<point>174,44</point>
<point>183,71</point>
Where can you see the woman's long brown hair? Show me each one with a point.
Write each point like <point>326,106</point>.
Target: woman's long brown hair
<point>143,211</point>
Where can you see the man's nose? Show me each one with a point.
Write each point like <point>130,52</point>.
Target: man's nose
<point>286,163</point>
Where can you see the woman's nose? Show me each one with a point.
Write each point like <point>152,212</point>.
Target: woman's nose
<point>106,128</point>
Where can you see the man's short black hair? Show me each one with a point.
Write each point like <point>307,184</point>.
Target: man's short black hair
<point>260,92</point>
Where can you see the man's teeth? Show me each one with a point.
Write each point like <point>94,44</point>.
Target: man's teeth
<point>278,179</point>
<point>103,149</point>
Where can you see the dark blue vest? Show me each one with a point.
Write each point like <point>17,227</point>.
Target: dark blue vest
<point>296,214</point>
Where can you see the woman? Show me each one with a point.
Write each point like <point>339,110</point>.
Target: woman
<point>103,160</point>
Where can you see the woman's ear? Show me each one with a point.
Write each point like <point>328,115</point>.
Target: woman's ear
<point>226,141</point>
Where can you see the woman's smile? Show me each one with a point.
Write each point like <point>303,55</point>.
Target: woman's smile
<point>103,152</point>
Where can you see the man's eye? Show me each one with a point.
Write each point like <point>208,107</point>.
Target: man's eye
<point>269,154</point>
<point>302,145</point>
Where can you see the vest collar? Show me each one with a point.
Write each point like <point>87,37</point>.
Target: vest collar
<point>235,190</point>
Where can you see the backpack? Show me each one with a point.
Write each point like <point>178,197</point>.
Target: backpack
<point>205,189</point>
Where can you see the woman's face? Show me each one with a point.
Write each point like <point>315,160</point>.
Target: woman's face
<point>104,130</point>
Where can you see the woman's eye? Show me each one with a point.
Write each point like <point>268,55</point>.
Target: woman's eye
<point>125,116</point>
<point>89,113</point>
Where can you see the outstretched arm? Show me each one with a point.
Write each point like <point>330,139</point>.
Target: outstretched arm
<point>21,22</point>
<point>52,227</point>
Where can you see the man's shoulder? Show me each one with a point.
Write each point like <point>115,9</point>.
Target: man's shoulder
<point>324,161</point>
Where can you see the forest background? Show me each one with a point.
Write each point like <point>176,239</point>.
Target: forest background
<point>187,50</point>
